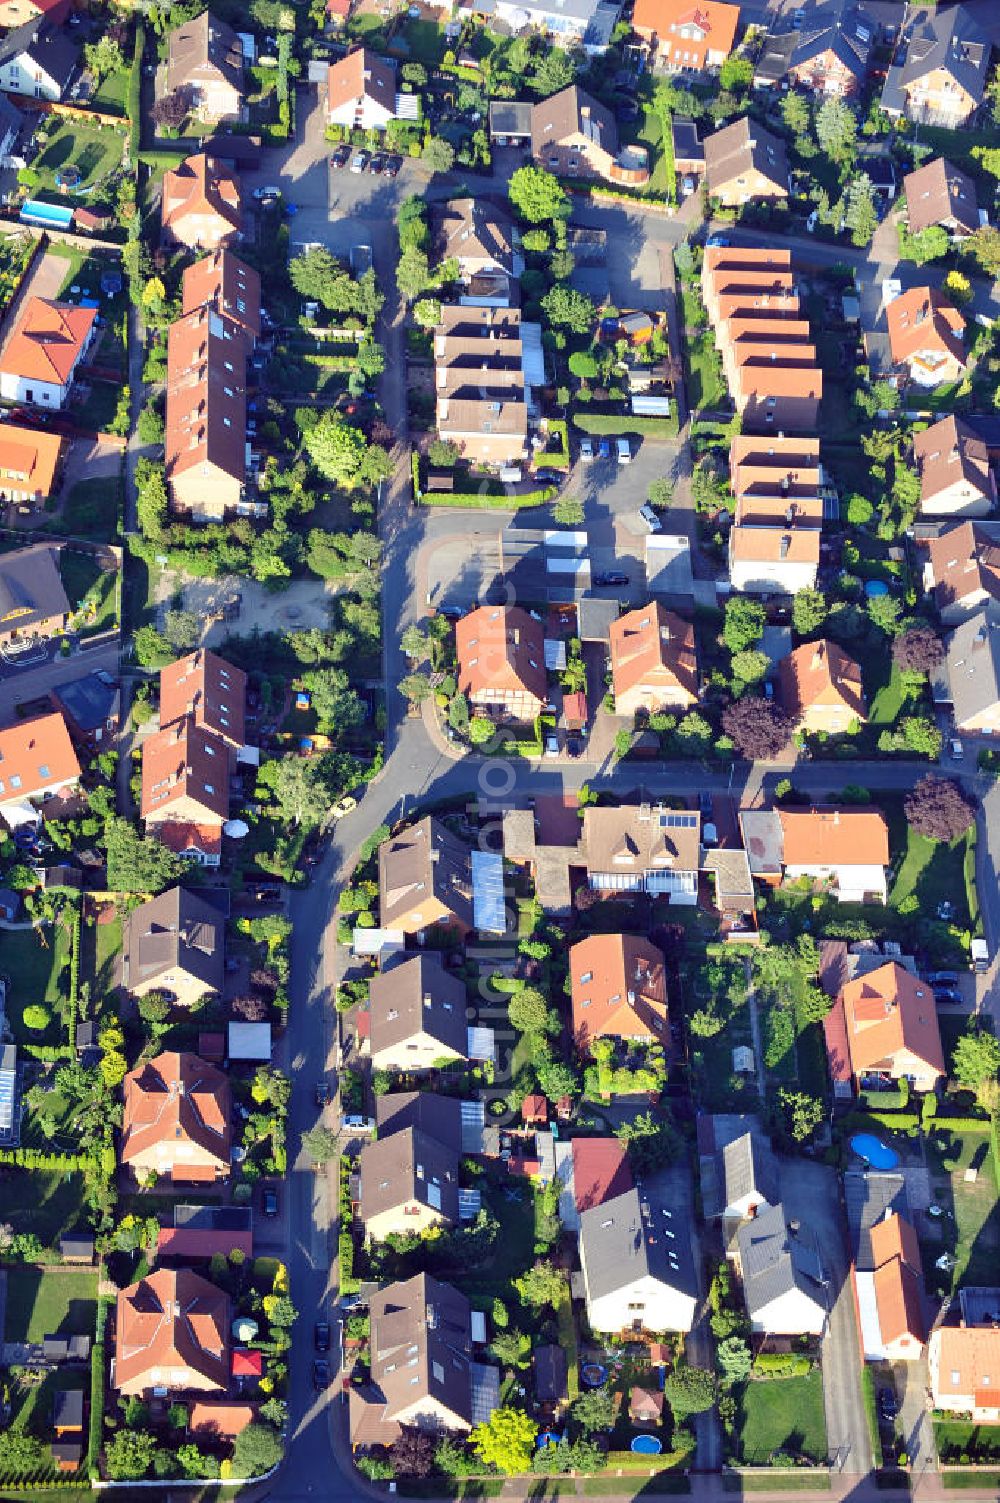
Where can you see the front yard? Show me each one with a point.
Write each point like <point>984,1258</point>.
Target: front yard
<point>50,1302</point>
<point>782,1414</point>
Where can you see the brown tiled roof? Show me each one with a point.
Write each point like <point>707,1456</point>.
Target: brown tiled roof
<point>743,147</point>
<point>600,1171</point>
<point>572,112</point>
<point>821,673</point>
<point>186,761</point>
<point>172,1319</point>
<point>774,464</point>
<point>938,191</point>
<point>204,685</point>
<point>361,74</point>
<point>176,929</point>
<point>749,303</point>
<point>765,330</point>
<point>779,512</point>
<point>176,1098</point>
<point>965,560</point>
<point>408,1168</point>
<point>834,837</point>
<point>502,413</point>
<point>750,258</point>
<point>497,325</point>
<point>202,48</point>
<point>187,839</point>
<point>422,862</point>
<point>47,341</point>
<point>472,227</point>
<point>619,988</point>
<point>35,755</point>
<point>968,1364</point>
<point>653,646</point>
<point>200,185</point>
<point>899,1298</point>
<point>414,997</point>
<point>630,837</point>
<point>759,377</point>
<point>921,319</point>
<point>887,1011</point>
<point>28,460</point>
<point>206,395</point>
<point>222,281</point>
<point>894,1237</point>
<point>792,545</point>
<point>949,451</point>
<point>500,648</point>
<point>714,19</point>
<point>219,1421</point>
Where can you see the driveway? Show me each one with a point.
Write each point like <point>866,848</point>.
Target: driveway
<point>21,686</point>
<point>811,1194</point>
<point>44,280</point>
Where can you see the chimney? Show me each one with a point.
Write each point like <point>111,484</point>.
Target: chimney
<point>818,655</point>
<point>786,543</point>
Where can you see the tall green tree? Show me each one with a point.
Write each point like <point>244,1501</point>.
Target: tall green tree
<point>138,863</point>
<point>538,196</point>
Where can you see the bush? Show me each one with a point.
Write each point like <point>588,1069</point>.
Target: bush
<point>36,1017</point>
<point>606,423</point>
<point>781,1365</point>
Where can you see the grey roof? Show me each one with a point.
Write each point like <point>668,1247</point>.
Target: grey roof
<point>775,57</point>
<point>687,146</point>
<point>510,117</point>
<point>408,1166</point>
<point>949,38</point>
<point>424,860</point>
<point>980,1305</point>
<point>67,1408</point>
<point>635,1236</point>
<point>49,47</point>
<point>840,31</point>
<point>90,702</point>
<point>763,838</point>
<point>974,664</point>
<point>868,1199</point>
<point>736,1158</point>
<point>30,587</point>
<point>775,1259</point>
<point>550,1374</point>
<point>418,996</point>
<point>177,928</point>
<point>76,1245</point>
<point>596,616</point>
<point>740,147</point>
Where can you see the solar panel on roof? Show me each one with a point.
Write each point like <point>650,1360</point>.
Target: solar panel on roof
<point>678,821</point>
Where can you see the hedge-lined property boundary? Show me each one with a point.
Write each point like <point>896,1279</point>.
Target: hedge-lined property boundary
<point>614,424</point>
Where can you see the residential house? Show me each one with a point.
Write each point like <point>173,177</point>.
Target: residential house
<point>409,1182</point>
<point>939,193</point>
<point>784,1279</point>
<point>821,688</point>
<point>963,570</point>
<point>14,13</point>
<point>897,1284</point>
<point>567,23</point>
<point>925,337</point>
<point>784,472</point>
<point>618,987</point>
<point>778,389</point>
<point>445,1118</point>
<point>501,662</point>
<point>185,789</point>
<point>205,66</point>
<point>686,36</point>
<point>361,91</point>
<point>201,204</point>
<point>425,879</point>
<point>209,689</point>
<point>654,665</point>
<point>510,122</point>
<point>973,672</point>
<point>938,74</point>
<point>638,1265</point>
<point>205,441</point>
<point>592,1172</point>
<point>738,1170</point>
<point>573,135</point>
<point>748,271</point>
<point>37,762</point>
<point>176,1122</point>
<point>228,286</point>
<point>175,944</point>
<point>956,479</point>
<point>33,601</point>
<point>45,347</point>
<point>480,236</point>
<point>846,847</point>
<point>422,1374</point>
<point>827,52</point>
<point>774,560</point>
<point>963,1362</point>
<point>38,59</point>
<point>485,362</point>
<point>884,1025</point>
<point>29,464</point>
<point>745,162</point>
<point>171,1333</point>
<point>643,848</point>
<point>90,706</point>
<point>417,1016</point>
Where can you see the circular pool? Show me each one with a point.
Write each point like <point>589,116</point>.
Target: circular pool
<point>593,1374</point>
<point>876,587</point>
<point>876,1154</point>
<point>647,1445</point>
<point>68,177</point>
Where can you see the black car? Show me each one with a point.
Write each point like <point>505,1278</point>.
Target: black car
<point>321,1335</point>
<point>574,746</point>
<point>451,612</point>
<point>321,1374</point>
<point>948,995</point>
<point>341,156</point>
<point>614,578</point>
<point>392,166</point>
<point>550,477</point>
<point>322,1093</point>
<point>377,163</point>
<point>942,978</point>
<point>888,1404</point>
<point>269,1201</point>
<point>705,804</point>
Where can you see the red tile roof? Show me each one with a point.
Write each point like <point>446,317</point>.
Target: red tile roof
<point>207,687</point>
<point>35,755</point>
<point>600,1171</point>
<point>172,1319</point>
<point>185,761</point>
<point>194,1242</point>
<point>247,1363</point>
<point>47,341</point>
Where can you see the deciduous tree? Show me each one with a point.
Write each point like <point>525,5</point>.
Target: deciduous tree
<point>760,728</point>
<point>506,1440</point>
<point>538,196</point>
<point>939,809</point>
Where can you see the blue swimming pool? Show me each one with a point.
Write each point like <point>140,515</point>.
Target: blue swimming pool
<point>874,1152</point>
<point>875,588</point>
<point>647,1445</point>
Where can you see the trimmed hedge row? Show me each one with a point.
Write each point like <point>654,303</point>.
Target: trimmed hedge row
<point>345,1258</point>
<point>133,103</point>
<point>34,1158</point>
<point>613,424</point>
<point>782,1365</point>
<point>470,500</point>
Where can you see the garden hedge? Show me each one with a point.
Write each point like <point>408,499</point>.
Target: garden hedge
<point>470,500</point>
<point>607,423</point>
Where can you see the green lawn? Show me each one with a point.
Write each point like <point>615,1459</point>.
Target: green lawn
<point>33,1407</point>
<point>649,133</point>
<point>934,872</point>
<point>110,97</point>
<point>50,1302</point>
<point>95,151</point>
<point>93,509</point>
<point>37,963</point>
<point>970,1229</point>
<point>48,1204</point>
<point>783,1414</point>
<point>953,1437</point>
<point>706,384</point>
<point>425,41</point>
<point>84,580</point>
<point>884,690</point>
<point>98,410</point>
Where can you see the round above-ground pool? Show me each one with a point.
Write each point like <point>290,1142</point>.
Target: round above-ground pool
<point>68,177</point>
<point>647,1445</point>
<point>876,1154</point>
<point>876,587</point>
<point>593,1374</point>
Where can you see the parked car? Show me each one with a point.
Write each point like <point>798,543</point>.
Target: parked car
<point>956,751</point>
<point>604,448</point>
<point>650,517</point>
<point>268,192</point>
<point>322,1093</point>
<point>269,1201</point>
<point>716,240</point>
<point>451,612</point>
<point>942,978</point>
<point>574,746</point>
<point>611,578</point>
<point>552,745</point>
<point>321,1335</point>
<point>392,166</point>
<point>624,451</point>
<point>321,1374</point>
<point>377,163</point>
<point>948,996</point>
<point>888,1404</point>
<point>586,449</point>
<point>550,477</point>
<point>341,156</point>
<point>359,1124</point>
<point>359,161</point>
<point>346,806</point>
